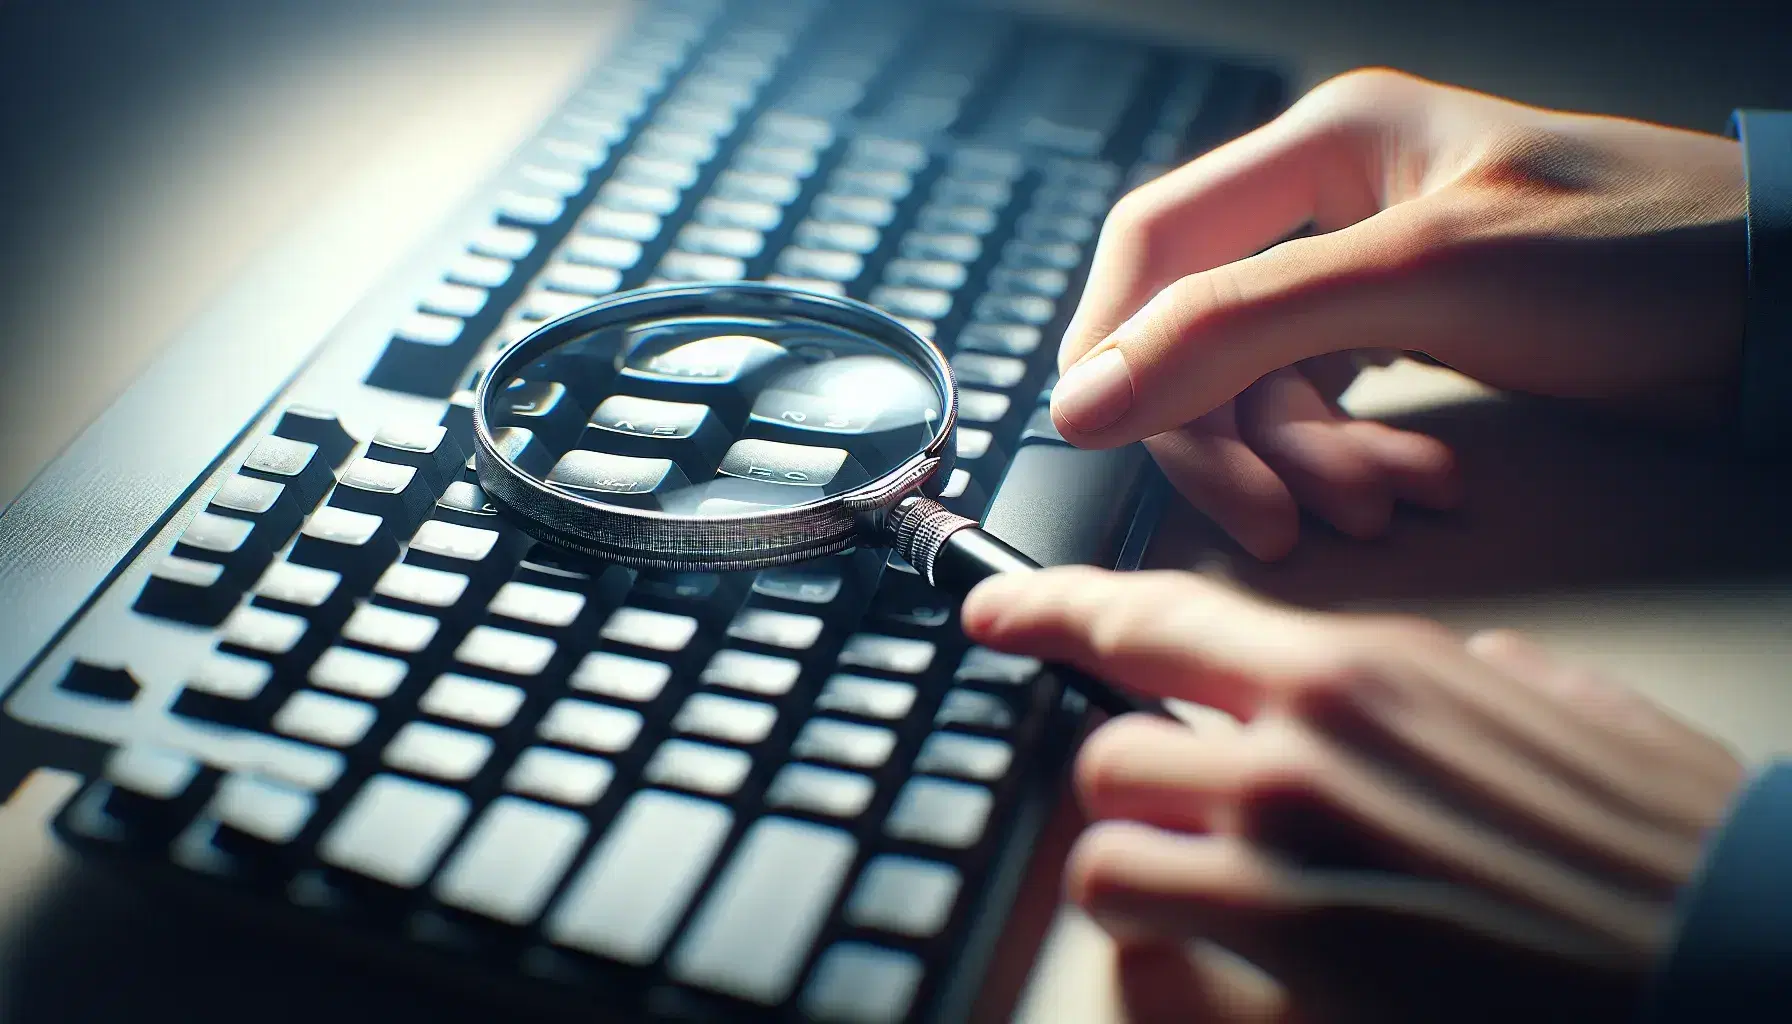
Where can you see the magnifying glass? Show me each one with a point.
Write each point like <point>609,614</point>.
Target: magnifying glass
<point>736,426</point>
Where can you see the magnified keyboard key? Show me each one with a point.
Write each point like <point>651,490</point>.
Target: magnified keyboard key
<point>845,743</point>
<point>951,247</point>
<point>531,454</point>
<point>634,889</point>
<point>686,433</point>
<point>297,465</point>
<point>941,813</point>
<point>466,504</point>
<point>357,673</point>
<point>813,469</point>
<point>395,830</point>
<point>230,543</point>
<point>716,370</point>
<point>477,702</point>
<point>853,238</point>
<point>610,222</point>
<point>392,492</point>
<point>717,771</point>
<point>904,896</point>
<point>544,408</point>
<point>741,943</point>
<point>560,776</point>
<point>857,983</point>
<point>823,264</point>
<point>595,727</point>
<point>617,479</point>
<point>800,584</point>
<point>429,448</point>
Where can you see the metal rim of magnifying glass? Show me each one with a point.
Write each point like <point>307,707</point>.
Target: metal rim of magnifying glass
<point>651,538</point>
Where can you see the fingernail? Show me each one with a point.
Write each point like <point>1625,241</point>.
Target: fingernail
<point>1095,393</point>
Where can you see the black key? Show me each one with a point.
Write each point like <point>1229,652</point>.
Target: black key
<point>690,435</point>
<point>395,493</point>
<point>269,505</point>
<point>520,446</point>
<point>1057,525</point>
<point>153,791</point>
<point>295,464</point>
<point>353,544</point>
<point>216,708</point>
<point>425,356</point>
<point>544,408</point>
<point>904,599</point>
<point>435,453</point>
<point>466,504</point>
<point>812,470</point>
<point>1040,429</point>
<point>319,427</point>
<point>458,420</point>
<point>618,479</point>
<point>106,682</point>
<point>234,544</point>
<point>984,667</point>
<point>189,591</point>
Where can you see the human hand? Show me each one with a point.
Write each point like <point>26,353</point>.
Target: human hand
<point>1557,254</point>
<point>1403,826</point>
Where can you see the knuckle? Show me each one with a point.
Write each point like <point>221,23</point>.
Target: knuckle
<point>1364,88</point>
<point>1287,761</point>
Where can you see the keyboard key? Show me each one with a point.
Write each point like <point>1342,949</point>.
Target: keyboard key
<point>949,247</point>
<point>771,189</point>
<point>726,718</point>
<point>618,479</point>
<point>512,859</point>
<point>857,983</point>
<point>981,370</point>
<point>351,544</point>
<point>596,727</point>
<point>746,944</point>
<point>801,584</point>
<point>544,408</point>
<point>919,303</point>
<point>187,591</point>
<point>866,697</point>
<point>856,746</point>
<point>483,271</point>
<point>262,808</point>
<point>415,584</point>
<point>939,813</point>
<point>452,299</point>
<point>476,702</point>
<point>821,263</point>
<point>967,757</point>
<point>536,605</point>
<point>620,677</point>
<point>851,238</point>
<point>462,550</point>
<point>395,830</point>
<point>394,493</point>
<point>734,213</point>
<point>973,708</point>
<point>871,211</point>
<point>503,242</point>
<point>1042,255</point>
<point>320,427</point>
<point>873,152</point>
<point>436,455</point>
<point>632,225</point>
<point>801,468</point>
<point>271,507</point>
<point>739,243</point>
<point>531,209</point>
<point>999,339</point>
<point>777,629</point>
<point>717,771</point>
<point>640,169</point>
<point>782,161</point>
<point>264,631</point>
<point>644,627</point>
<point>424,356</point>
<point>581,279</point>
<point>548,304</point>
<point>632,197</point>
<point>228,675</point>
<point>447,754</point>
<point>806,787</point>
<point>678,265</point>
<point>684,432</point>
<point>501,650</point>
<point>982,406</point>
<point>899,655</point>
<point>956,220</point>
<point>230,543</point>
<point>357,673</point>
<point>405,632</point>
<point>635,887</point>
<point>959,192</point>
<point>592,251</point>
<point>1022,309</point>
<point>752,673</point>
<point>323,719</point>
<point>904,895</point>
<point>1040,429</point>
<point>936,274</point>
<point>1046,227</point>
<point>560,776</point>
<point>986,667</point>
<point>686,147</point>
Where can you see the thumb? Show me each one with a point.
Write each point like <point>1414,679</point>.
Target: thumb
<point>1207,337</point>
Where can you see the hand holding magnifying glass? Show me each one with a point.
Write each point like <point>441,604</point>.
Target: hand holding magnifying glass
<point>737,426</point>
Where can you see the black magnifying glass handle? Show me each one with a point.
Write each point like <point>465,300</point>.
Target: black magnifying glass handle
<point>955,554</point>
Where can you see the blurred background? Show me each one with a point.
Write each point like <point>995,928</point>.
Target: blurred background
<point>266,161</point>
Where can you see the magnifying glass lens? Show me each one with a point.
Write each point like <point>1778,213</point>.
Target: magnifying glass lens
<point>715,415</point>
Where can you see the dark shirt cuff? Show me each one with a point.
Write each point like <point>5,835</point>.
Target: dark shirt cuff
<point>1730,958</point>
<point>1766,413</point>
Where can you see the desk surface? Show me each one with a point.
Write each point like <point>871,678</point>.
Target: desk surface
<point>1669,568</point>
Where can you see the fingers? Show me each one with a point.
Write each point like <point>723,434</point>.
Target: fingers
<point>1223,206</point>
<point>1327,469</point>
<point>1148,769</point>
<point>1211,466</point>
<point>1207,336</point>
<point>1165,634</point>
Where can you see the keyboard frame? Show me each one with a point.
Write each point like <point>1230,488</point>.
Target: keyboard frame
<point>79,541</point>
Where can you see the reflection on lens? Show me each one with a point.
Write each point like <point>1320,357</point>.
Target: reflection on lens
<point>716,416</point>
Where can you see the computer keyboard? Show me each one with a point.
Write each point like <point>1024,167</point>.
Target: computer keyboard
<point>336,687</point>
